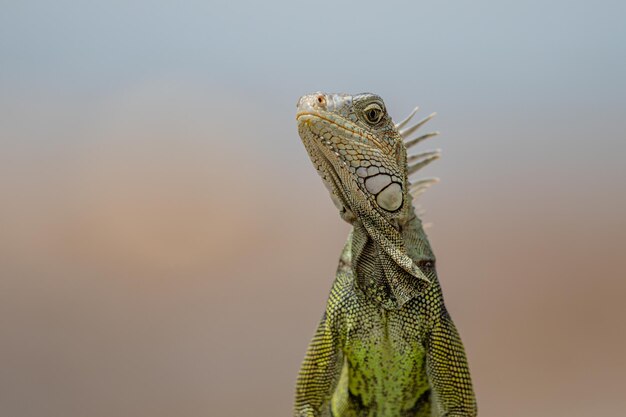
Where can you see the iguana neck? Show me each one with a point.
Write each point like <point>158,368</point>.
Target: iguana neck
<point>377,275</point>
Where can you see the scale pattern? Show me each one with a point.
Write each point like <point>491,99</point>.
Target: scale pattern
<point>386,345</point>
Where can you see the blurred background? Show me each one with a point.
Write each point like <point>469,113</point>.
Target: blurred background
<point>166,247</point>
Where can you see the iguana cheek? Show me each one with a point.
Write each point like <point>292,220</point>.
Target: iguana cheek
<point>388,193</point>
<point>391,197</point>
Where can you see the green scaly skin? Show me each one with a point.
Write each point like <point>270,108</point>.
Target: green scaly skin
<point>386,345</point>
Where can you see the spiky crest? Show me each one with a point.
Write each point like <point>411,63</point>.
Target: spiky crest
<point>418,161</point>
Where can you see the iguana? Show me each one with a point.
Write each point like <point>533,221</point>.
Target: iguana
<point>386,345</point>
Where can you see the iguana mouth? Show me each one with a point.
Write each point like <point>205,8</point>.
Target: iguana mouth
<point>311,115</point>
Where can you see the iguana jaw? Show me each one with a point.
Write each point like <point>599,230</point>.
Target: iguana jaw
<point>325,161</point>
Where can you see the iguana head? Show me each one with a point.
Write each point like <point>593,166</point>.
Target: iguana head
<point>361,156</point>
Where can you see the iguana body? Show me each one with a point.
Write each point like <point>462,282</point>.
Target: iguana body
<point>386,346</point>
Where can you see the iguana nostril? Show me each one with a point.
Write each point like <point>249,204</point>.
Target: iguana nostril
<point>321,100</point>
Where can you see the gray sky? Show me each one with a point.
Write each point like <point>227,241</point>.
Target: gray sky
<point>472,51</point>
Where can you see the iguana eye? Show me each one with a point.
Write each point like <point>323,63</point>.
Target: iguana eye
<point>373,113</point>
<point>426,265</point>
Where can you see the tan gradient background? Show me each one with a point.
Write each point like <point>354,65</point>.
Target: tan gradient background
<point>166,247</point>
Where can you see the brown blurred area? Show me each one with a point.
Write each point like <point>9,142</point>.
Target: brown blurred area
<point>159,257</point>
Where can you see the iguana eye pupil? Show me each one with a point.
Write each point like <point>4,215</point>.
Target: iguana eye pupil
<point>373,113</point>
<point>427,264</point>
